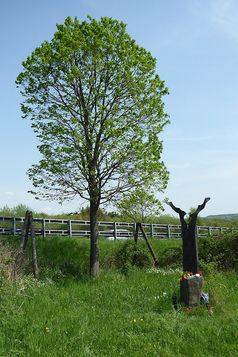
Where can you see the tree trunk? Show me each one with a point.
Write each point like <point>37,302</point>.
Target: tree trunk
<point>192,232</point>
<point>94,250</point>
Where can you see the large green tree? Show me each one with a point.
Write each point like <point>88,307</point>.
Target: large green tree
<point>95,102</point>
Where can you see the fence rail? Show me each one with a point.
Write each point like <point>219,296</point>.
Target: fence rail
<point>110,230</point>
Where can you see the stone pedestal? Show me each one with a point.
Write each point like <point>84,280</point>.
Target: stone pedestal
<point>191,289</point>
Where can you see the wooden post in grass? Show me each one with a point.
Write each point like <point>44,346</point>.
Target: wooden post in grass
<point>43,228</point>
<point>149,246</point>
<point>28,227</point>
<point>24,232</point>
<point>33,247</point>
<point>23,243</point>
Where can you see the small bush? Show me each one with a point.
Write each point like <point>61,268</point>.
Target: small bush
<point>223,251</point>
<point>131,254</point>
<point>170,257</point>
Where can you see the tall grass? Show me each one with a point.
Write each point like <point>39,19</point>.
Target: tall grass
<point>116,316</point>
<point>67,314</point>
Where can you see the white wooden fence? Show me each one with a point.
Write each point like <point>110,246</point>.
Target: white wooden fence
<point>110,230</point>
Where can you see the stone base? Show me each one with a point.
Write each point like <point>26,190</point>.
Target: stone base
<point>191,290</point>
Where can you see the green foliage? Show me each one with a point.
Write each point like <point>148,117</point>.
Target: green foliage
<point>223,251</point>
<point>139,205</point>
<point>130,255</point>
<point>63,258</point>
<point>95,103</point>
<point>102,214</point>
<point>171,257</point>
<point>17,211</point>
<point>220,222</point>
<point>200,220</point>
<point>166,219</point>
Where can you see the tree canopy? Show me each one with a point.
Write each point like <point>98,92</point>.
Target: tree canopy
<point>139,205</point>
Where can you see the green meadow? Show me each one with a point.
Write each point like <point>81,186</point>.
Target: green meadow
<point>131,309</point>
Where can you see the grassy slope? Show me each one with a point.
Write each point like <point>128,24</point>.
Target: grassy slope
<point>115,315</point>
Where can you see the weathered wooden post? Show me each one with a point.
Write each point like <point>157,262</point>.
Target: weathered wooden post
<point>192,281</point>
<point>28,227</point>
<point>23,243</point>
<point>43,228</point>
<point>24,232</point>
<point>35,269</point>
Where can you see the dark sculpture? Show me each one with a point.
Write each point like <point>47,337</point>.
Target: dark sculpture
<point>189,237</point>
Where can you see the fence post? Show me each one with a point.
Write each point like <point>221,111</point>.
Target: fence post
<point>151,230</point>
<point>197,230</point>
<point>43,228</point>
<point>168,231</point>
<point>14,226</point>
<point>69,228</point>
<point>115,230</point>
<point>209,231</point>
<point>33,246</point>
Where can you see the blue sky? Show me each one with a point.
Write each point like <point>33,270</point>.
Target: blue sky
<point>196,46</point>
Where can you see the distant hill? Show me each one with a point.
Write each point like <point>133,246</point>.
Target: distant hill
<point>230,216</point>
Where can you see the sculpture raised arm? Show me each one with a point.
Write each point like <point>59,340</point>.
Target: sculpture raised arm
<point>200,207</point>
<point>181,213</point>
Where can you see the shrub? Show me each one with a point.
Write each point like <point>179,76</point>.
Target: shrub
<point>131,254</point>
<point>170,257</point>
<point>220,250</point>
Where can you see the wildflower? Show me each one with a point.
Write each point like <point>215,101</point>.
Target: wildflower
<point>188,310</point>
<point>210,311</point>
<point>134,320</point>
<point>47,329</point>
<point>189,275</point>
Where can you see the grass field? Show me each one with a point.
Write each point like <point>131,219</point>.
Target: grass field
<point>67,314</point>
